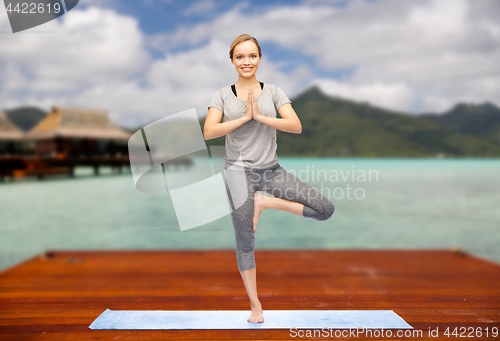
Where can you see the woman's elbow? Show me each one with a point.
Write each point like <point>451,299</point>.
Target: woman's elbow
<point>206,135</point>
<point>299,129</point>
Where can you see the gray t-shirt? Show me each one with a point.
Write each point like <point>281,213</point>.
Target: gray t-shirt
<point>254,141</point>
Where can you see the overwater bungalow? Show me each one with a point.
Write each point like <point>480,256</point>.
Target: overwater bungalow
<point>64,139</point>
<point>70,132</point>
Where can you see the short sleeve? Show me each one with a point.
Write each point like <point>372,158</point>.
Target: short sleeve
<point>217,101</point>
<point>280,98</point>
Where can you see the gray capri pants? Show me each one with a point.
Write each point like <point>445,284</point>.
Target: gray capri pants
<point>277,182</point>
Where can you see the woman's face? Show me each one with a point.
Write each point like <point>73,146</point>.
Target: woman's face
<point>246,58</point>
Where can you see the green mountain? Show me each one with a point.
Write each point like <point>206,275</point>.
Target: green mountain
<point>481,120</point>
<point>25,118</point>
<point>333,126</point>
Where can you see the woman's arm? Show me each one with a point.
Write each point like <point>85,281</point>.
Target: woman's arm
<point>213,128</point>
<point>289,122</point>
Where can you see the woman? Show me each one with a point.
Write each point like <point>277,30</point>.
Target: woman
<point>251,164</point>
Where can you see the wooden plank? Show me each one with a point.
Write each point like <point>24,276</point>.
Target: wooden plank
<point>57,295</point>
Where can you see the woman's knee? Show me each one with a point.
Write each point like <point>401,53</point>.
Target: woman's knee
<point>318,210</point>
<point>245,260</point>
<point>328,209</point>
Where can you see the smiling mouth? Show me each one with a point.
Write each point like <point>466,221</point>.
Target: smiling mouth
<point>246,68</point>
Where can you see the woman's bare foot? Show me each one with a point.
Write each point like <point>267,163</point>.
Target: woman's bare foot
<point>256,315</point>
<point>258,207</point>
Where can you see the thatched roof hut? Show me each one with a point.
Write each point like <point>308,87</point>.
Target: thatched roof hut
<point>77,123</point>
<point>8,130</point>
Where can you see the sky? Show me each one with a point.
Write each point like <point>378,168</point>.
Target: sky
<point>144,60</point>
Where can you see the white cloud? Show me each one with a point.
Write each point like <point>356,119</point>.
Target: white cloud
<point>89,46</point>
<point>108,68</point>
<point>424,45</point>
<point>198,7</point>
<point>408,55</point>
<point>89,49</point>
<point>438,19</point>
<point>389,95</point>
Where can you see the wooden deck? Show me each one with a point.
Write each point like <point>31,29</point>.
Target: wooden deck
<point>56,296</point>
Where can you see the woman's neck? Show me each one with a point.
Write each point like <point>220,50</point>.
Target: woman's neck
<point>247,83</point>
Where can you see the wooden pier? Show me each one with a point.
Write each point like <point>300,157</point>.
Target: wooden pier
<point>57,295</point>
<point>43,167</point>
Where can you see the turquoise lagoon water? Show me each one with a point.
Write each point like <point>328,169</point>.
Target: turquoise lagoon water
<point>380,204</point>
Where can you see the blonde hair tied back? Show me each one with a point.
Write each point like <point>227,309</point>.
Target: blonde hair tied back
<point>240,39</point>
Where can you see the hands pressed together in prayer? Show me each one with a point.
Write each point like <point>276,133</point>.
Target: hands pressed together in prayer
<point>252,111</point>
<point>289,122</point>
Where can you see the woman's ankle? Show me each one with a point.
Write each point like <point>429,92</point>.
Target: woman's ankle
<point>257,305</point>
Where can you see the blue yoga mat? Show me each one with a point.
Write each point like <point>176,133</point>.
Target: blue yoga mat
<point>237,319</point>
